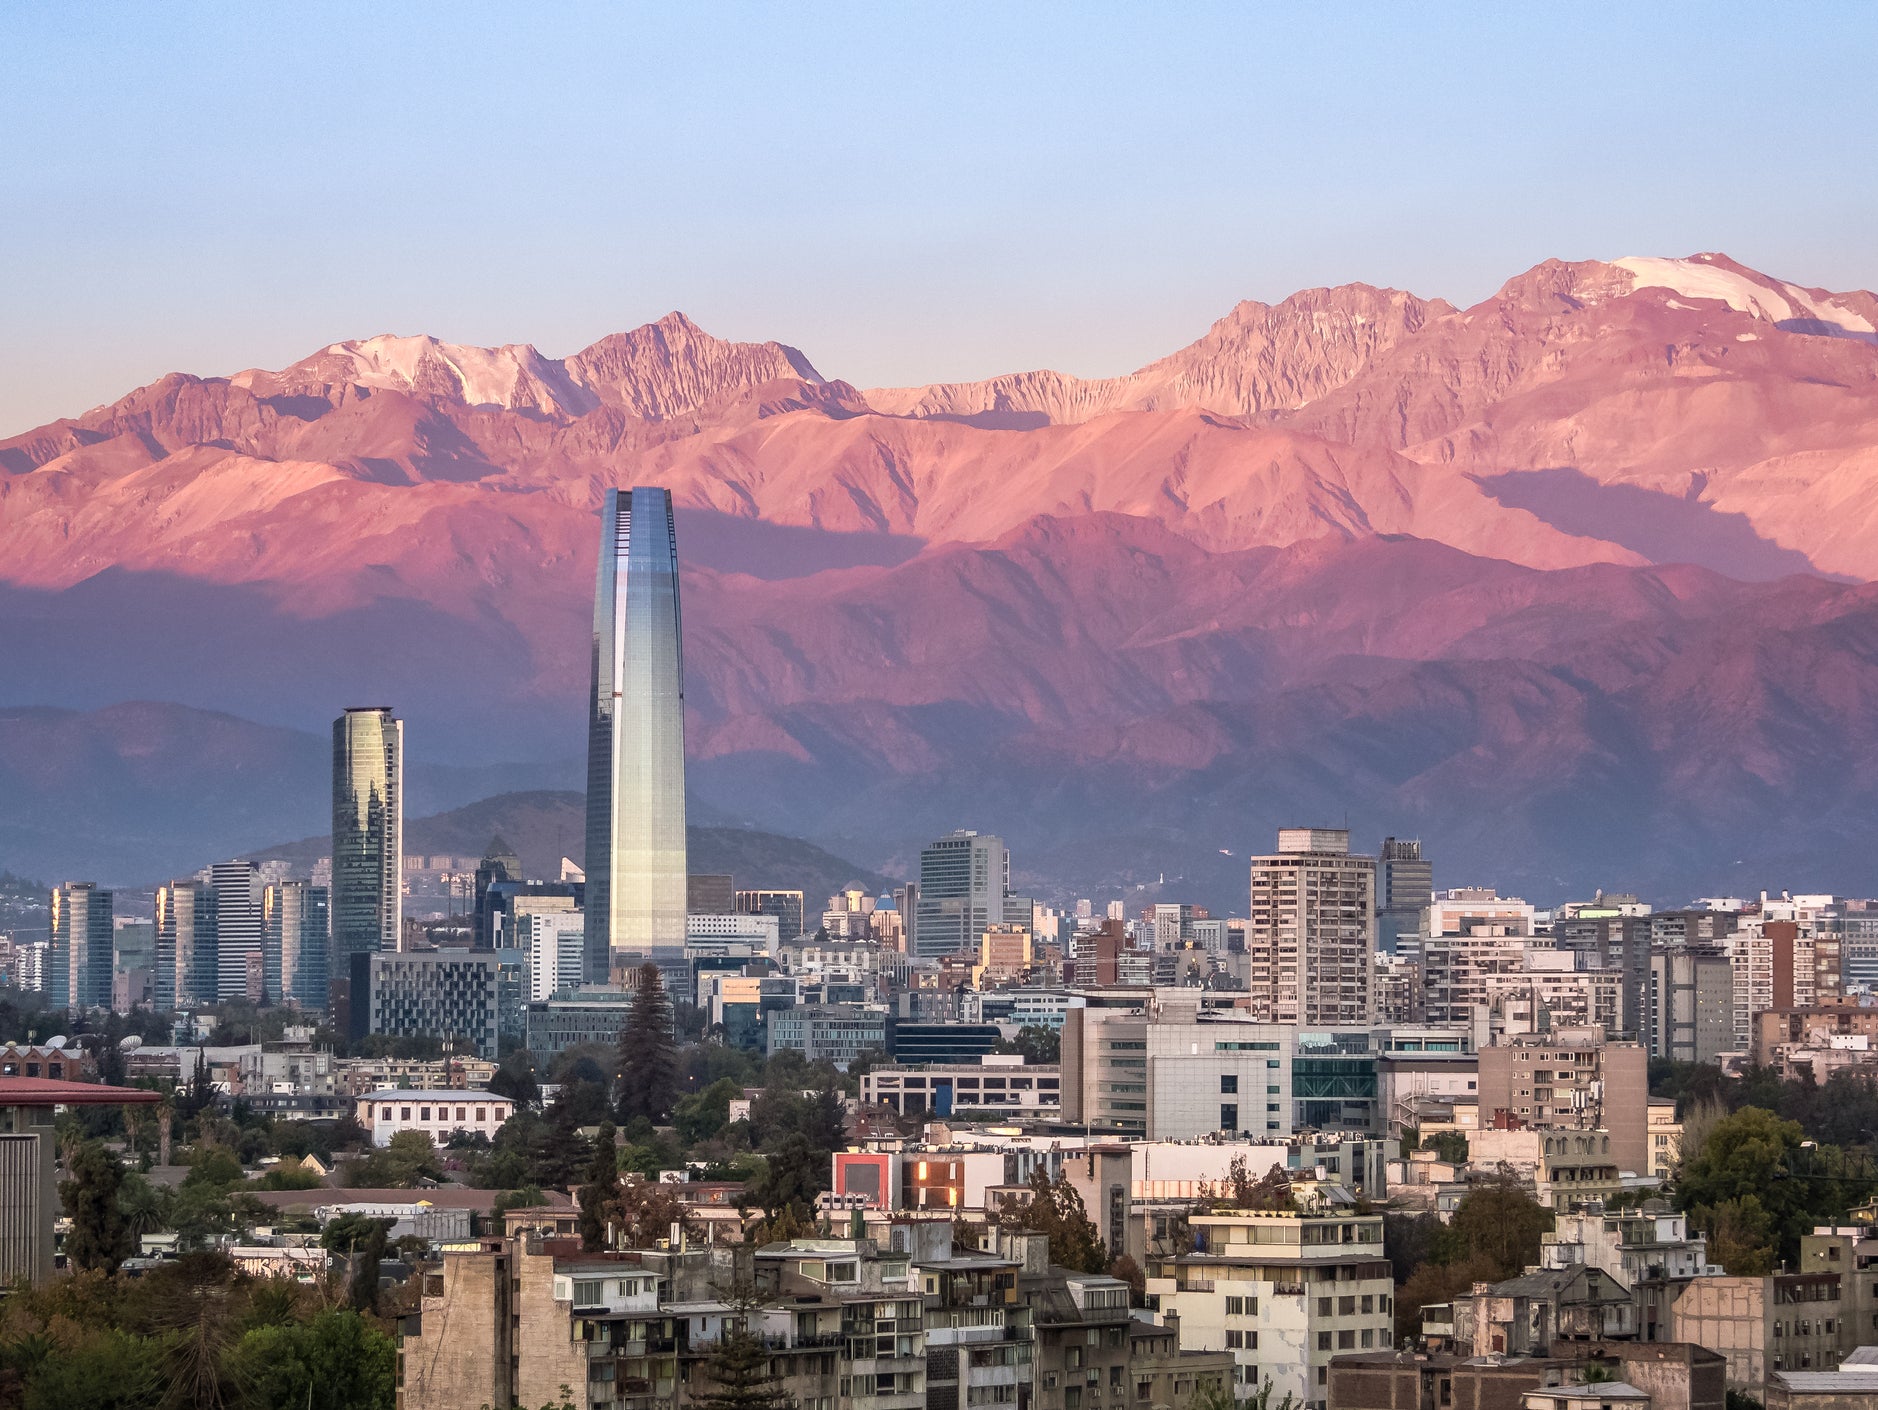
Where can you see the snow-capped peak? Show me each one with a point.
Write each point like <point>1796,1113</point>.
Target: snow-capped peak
<point>508,376</point>
<point>1718,278</point>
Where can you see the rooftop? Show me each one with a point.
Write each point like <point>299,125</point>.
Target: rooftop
<point>433,1094</point>
<point>42,1091</point>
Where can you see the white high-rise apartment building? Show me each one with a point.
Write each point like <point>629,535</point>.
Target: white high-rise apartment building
<point>553,943</point>
<point>1311,930</point>
<point>239,966</point>
<point>1470,936</point>
<point>1284,1292</point>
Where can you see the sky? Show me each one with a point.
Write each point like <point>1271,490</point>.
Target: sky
<point>908,193</point>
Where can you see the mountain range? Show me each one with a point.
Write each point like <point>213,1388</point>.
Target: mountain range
<point>1574,584</point>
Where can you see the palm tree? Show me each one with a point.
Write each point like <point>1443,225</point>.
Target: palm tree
<point>143,1206</point>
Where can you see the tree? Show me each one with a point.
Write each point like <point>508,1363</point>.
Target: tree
<point>143,1206</point>
<point>412,1156</point>
<point>337,1361</point>
<point>1757,1184</point>
<point>100,1236</point>
<point>1500,1224</point>
<point>289,1177</point>
<point>1034,1043</point>
<point>597,1195</point>
<point>105,1371</point>
<point>703,1115</point>
<point>646,1211</point>
<point>794,1173</point>
<point>648,1059</point>
<point>515,1079</point>
<point>1055,1209</point>
<point>215,1167</point>
<point>360,1241</point>
<point>739,1375</point>
<point>1271,1191</point>
<point>1450,1146</point>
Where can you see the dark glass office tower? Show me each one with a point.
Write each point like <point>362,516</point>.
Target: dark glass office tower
<point>635,736</point>
<point>368,832</point>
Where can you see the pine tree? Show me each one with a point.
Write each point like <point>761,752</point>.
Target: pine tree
<point>740,1376</point>
<point>1055,1209</point>
<point>100,1236</point>
<point>648,1060</point>
<point>597,1196</point>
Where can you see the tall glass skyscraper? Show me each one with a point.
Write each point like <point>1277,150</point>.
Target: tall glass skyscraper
<point>295,944</point>
<point>368,832</point>
<point>79,960</point>
<point>185,945</point>
<point>635,736</point>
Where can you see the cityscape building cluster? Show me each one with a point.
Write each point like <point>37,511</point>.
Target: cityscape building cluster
<point>1233,1099</point>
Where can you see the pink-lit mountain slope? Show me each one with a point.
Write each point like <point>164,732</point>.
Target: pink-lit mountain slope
<point>1354,550</point>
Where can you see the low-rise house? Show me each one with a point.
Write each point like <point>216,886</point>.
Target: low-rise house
<point>1650,1244</point>
<point>1669,1376</point>
<point>1851,1387</point>
<point>439,1113</point>
<point>1781,1322</point>
<point>1524,1316</point>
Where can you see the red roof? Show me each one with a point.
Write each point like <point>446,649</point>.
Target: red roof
<point>43,1091</point>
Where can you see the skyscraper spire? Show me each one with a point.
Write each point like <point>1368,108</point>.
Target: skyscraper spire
<point>635,737</point>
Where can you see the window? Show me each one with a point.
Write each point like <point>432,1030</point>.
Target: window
<point>1346,1341</point>
<point>384,1113</point>
<point>482,1115</point>
<point>1229,1084</point>
<point>1229,1116</point>
<point>1323,1341</point>
<point>1369,1339</point>
<point>1323,1307</point>
<point>1072,1398</point>
<point>589,1292</point>
<point>1235,1341</point>
<point>404,1113</point>
<point>423,1113</point>
<point>1369,1302</point>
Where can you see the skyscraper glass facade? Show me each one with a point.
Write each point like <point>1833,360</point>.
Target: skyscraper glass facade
<point>79,959</point>
<point>368,831</point>
<point>636,736</point>
<point>185,945</point>
<point>964,881</point>
<point>295,943</point>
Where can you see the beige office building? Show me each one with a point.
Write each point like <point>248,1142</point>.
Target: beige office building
<point>1311,930</point>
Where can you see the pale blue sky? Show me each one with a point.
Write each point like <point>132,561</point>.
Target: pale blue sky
<point>907,193</point>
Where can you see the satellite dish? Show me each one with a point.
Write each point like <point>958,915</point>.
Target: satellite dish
<point>56,1042</point>
<point>130,1043</point>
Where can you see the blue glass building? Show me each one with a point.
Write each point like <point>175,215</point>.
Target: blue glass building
<point>636,737</point>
